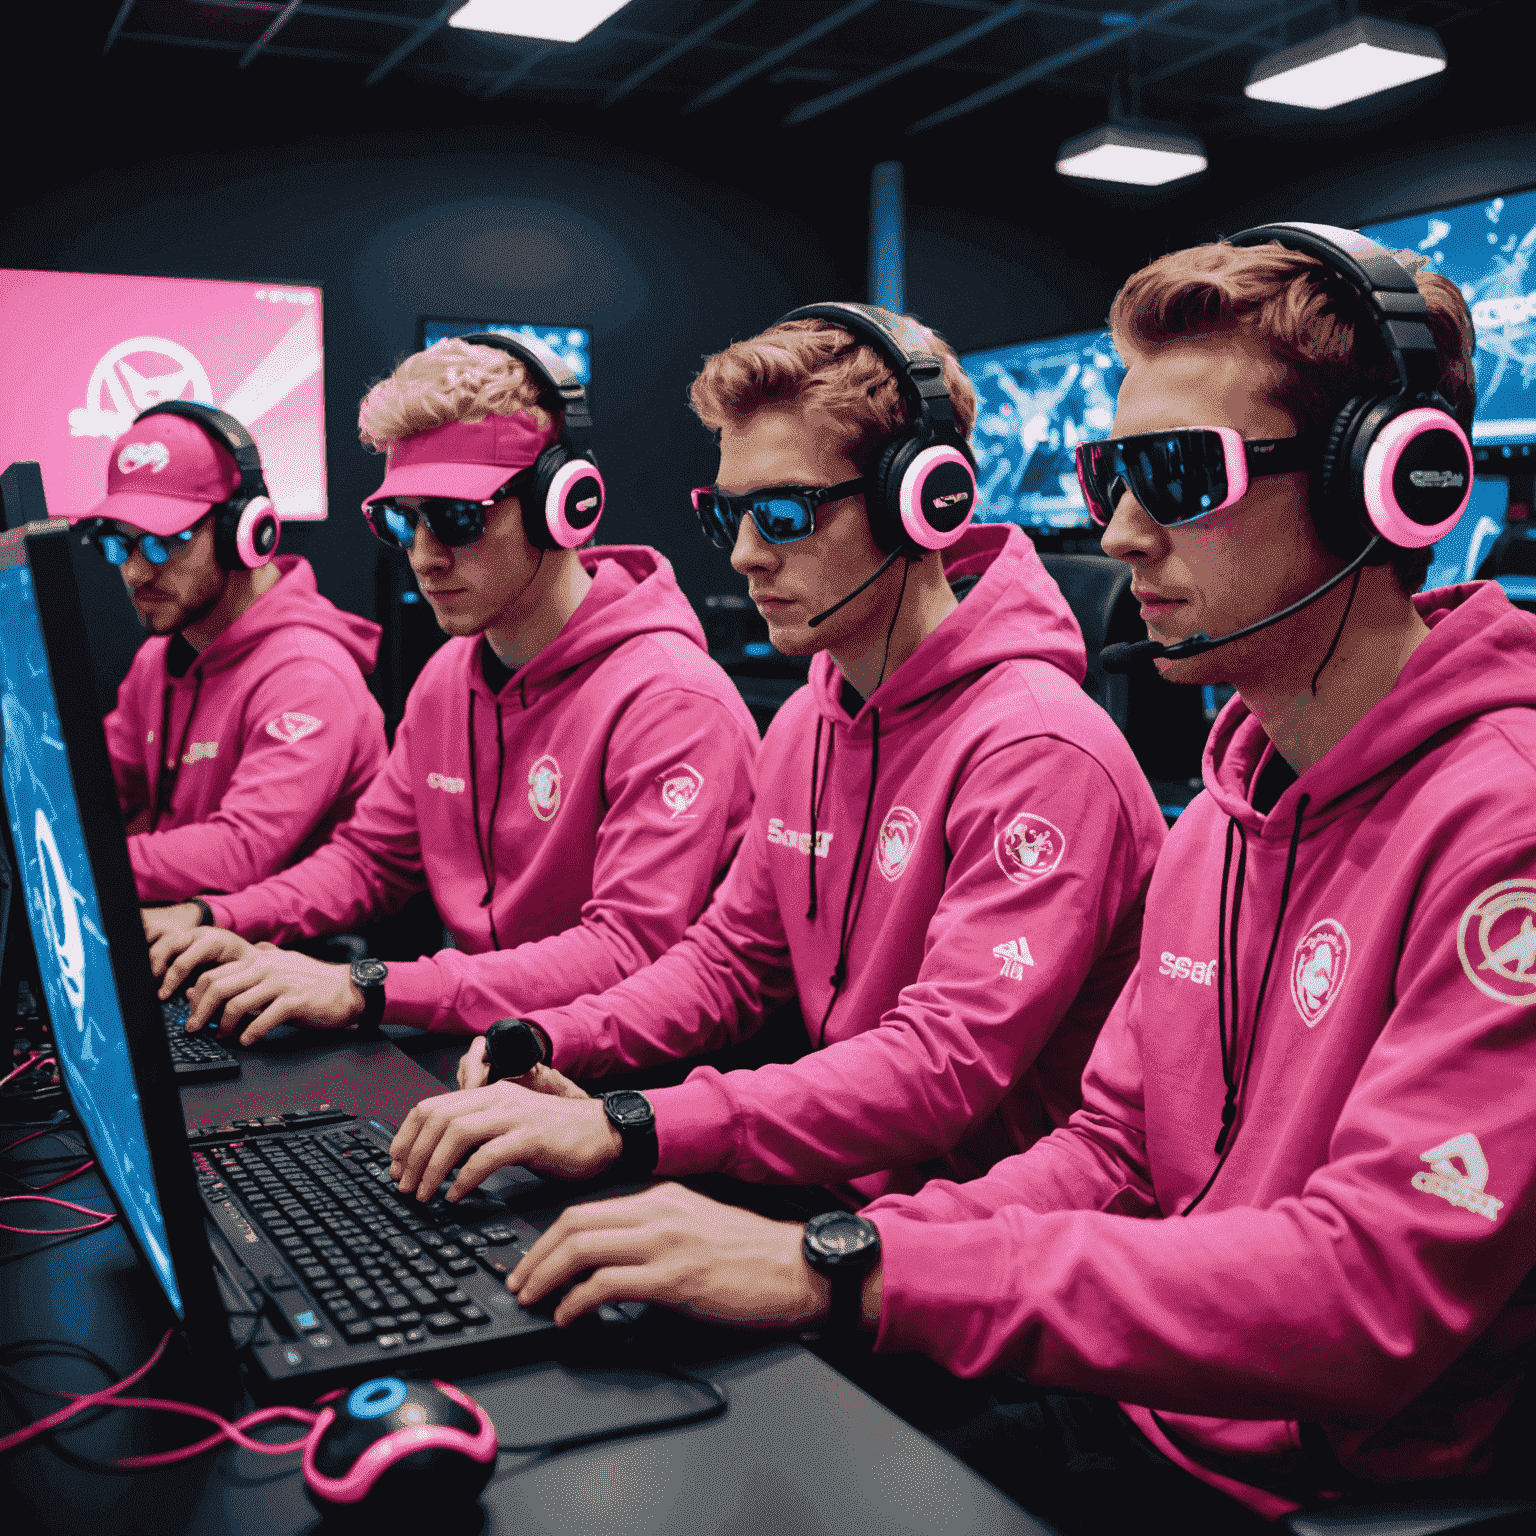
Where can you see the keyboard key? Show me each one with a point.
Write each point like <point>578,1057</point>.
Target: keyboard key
<point>344,1315</point>
<point>422,1296</point>
<point>499,1267</point>
<point>454,1298</point>
<point>386,1324</point>
<point>416,1336</point>
<point>442,1282</point>
<point>474,1242</point>
<point>473,1315</point>
<point>411,1318</point>
<point>434,1240</point>
<point>444,1322</point>
<point>405,1247</point>
<point>361,1329</point>
<point>460,1266</point>
<point>314,1272</point>
<point>448,1252</point>
<point>390,1340</point>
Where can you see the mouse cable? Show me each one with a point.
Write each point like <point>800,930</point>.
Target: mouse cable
<point>717,1404</point>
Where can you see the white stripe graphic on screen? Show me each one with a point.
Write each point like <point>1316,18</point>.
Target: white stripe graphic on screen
<point>295,358</point>
<point>118,392</point>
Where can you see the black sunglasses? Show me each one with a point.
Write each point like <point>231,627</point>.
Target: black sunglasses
<point>454,522</point>
<point>1184,473</point>
<point>783,513</point>
<point>116,547</point>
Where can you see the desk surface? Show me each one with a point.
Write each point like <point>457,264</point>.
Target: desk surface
<point>800,1449</point>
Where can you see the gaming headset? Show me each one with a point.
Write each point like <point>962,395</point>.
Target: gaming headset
<point>923,488</point>
<point>246,527</point>
<point>566,491</point>
<point>1400,454</point>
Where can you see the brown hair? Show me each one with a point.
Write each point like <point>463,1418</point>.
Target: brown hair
<point>1310,319</point>
<point>451,381</point>
<point>821,363</point>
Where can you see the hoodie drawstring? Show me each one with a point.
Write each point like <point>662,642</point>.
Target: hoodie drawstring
<point>165,780</point>
<point>1234,1080</point>
<point>484,847</point>
<point>810,911</point>
<point>850,915</point>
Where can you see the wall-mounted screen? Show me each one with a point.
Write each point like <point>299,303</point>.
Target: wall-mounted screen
<point>82,353</point>
<point>1488,249</point>
<point>570,343</point>
<point>1035,402</point>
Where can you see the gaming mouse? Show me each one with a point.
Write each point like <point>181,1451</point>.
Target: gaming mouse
<point>391,1450</point>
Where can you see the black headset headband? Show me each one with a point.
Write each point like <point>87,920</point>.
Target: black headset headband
<point>557,379</point>
<point>920,371</point>
<point>229,432</point>
<point>1382,282</point>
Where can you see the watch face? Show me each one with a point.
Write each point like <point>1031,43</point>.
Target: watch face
<point>369,973</point>
<point>627,1108</point>
<point>840,1234</point>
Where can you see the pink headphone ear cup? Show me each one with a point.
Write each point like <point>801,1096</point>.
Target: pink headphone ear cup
<point>937,496</point>
<point>1417,479</point>
<point>573,503</point>
<point>258,533</point>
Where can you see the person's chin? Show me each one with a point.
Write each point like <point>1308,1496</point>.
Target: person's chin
<point>457,618</point>
<point>158,618</point>
<point>793,639</point>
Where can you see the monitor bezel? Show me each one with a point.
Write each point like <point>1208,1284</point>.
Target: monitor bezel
<point>1483,462</point>
<point>45,549</point>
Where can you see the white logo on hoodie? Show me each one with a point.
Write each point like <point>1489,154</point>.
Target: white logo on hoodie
<point>1028,848</point>
<point>1015,956</point>
<point>681,785</point>
<point>544,780</point>
<point>291,726</point>
<point>1464,1186</point>
<point>898,837</point>
<point>1317,969</point>
<point>1497,941</point>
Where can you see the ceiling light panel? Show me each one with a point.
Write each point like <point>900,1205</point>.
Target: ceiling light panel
<point>1132,156</point>
<point>1359,59</point>
<point>556,21</point>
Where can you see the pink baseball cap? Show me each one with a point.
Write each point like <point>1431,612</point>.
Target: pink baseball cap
<point>165,473</point>
<point>468,460</point>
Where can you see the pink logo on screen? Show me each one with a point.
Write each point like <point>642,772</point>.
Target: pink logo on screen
<point>544,780</point>
<point>119,390</point>
<point>1317,969</point>
<point>151,456</point>
<point>681,785</point>
<point>1028,848</point>
<point>898,837</point>
<point>291,726</point>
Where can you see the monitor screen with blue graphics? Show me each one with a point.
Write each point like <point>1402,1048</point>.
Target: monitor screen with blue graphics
<point>1035,402</point>
<point>570,343</point>
<point>64,911</point>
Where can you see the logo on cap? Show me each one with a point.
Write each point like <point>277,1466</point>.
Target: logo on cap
<point>1497,941</point>
<point>118,392</point>
<point>153,456</point>
<point>898,836</point>
<point>544,780</point>
<point>1317,969</point>
<point>680,787</point>
<point>1028,848</point>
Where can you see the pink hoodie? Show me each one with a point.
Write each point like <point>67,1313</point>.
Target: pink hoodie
<point>1359,1266</point>
<point>274,734</point>
<point>997,838</point>
<point>608,784</point>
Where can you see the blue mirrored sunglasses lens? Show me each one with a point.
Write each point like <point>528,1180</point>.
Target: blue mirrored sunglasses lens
<point>402,528</point>
<point>114,550</point>
<point>780,520</point>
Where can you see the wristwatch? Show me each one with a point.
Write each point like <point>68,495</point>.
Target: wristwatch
<point>514,1047</point>
<point>843,1247</point>
<point>368,977</point>
<point>631,1115</point>
<point>204,913</point>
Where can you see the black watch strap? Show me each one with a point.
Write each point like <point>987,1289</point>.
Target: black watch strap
<point>631,1115</point>
<point>204,913</point>
<point>368,977</point>
<point>844,1247</point>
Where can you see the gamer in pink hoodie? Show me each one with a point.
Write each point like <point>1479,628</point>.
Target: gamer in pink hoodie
<point>255,748</point>
<point>575,820</point>
<point>983,838</point>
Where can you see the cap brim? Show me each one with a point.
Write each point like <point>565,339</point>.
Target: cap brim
<point>163,515</point>
<point>468,482</point>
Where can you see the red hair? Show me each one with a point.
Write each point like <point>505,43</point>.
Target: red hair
<point>824,365</point>
<point>1314,324</point>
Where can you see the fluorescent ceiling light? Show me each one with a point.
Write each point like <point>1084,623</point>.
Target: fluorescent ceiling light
<point>1362,57</point>
<point>560,21</point>
<point>1139,157</point>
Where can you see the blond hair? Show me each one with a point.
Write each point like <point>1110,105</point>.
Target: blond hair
<point>826,366</point>
<point>451,381</point>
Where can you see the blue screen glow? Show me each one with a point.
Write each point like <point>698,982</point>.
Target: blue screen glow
<point>65,918</point>
<point>1035,402</point>
<point>1487,250</point>
<point>571,344</point>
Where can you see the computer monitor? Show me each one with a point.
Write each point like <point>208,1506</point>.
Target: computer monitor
<point>572,344</point>
<point>82,353</point>
<point>83,912</point>
<point>1035,402</point>
<point>1488,249</point>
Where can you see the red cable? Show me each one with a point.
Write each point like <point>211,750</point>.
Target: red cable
<point>36,1056</point>
<point>104,1216</point>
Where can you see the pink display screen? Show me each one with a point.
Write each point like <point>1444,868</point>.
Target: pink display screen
<point>82,353</point>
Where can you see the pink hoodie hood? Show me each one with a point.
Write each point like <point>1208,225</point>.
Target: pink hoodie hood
<point>956,915</point>
<point>569,827</point>
<point>1348,1299</point>
<point>270,735</point>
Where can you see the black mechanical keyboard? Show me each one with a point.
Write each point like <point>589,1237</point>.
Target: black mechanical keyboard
<point>195,1058</point>
<point>385,1272</point>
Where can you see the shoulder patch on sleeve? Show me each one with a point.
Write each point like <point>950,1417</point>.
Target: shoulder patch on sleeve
<point>1029,848</point>
<point>291,726</point>
<point>1496,941</point>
